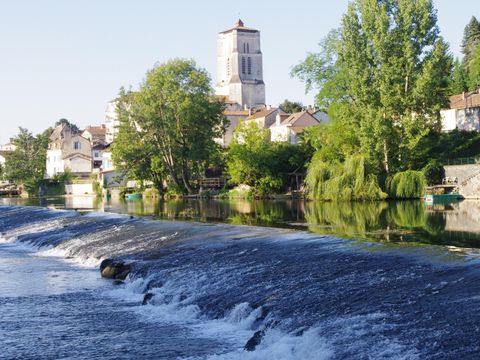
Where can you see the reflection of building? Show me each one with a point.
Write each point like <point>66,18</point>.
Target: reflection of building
<point>68,150</point>
<point>239,66</point>
<point>463,114</point>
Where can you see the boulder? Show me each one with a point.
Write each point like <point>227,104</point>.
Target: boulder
<point>254,341</point>
<point>147,297</point>
<point>114,269</point>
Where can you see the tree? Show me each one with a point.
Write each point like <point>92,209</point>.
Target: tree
<point>254,160</point>
<point>175,120</point>
<point>459,78</point>
<point>384,77</point>
<point>291,107</point>
<point>73,127</point>
<point>26,164</point>
<point>471,38</point>
<point>474,69</point>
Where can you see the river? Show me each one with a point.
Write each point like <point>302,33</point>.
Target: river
<point>299,281</point>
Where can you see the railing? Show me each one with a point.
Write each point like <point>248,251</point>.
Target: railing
<point>218,182</point>
<point>463,161</point>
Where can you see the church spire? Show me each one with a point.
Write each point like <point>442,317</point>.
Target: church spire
<point>239,23</point>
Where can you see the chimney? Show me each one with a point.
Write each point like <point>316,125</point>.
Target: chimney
<point>277,119</point>
<point>463,95</point>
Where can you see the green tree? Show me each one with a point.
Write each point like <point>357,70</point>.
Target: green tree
<point>384,77</point>
<point>291,107</point>
<point>175,113</point>
<point>254,160</point>
<point>471,39</point>
<point>73,127</point>
<point>459,78</point>
<point>474,69</point>
<point>26,164</point>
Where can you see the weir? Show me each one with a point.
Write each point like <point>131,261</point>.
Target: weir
<point>286,294</point>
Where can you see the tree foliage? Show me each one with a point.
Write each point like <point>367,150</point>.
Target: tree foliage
<point>167,128</point>
<point>384,76</point>
<point>291,107</point>
<point>347,181</point>
<point>408,184</point>
<point>74,128</point>
<point>459,79</point>
<point>474,69</point>
<point>470,41</point>
<point>26,164</point>
<point>254,160</point>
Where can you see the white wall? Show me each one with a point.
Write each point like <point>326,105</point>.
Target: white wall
<point>55,163</point>
<point>78,165</point>
<point>279,133</point>
<point>449,119</point>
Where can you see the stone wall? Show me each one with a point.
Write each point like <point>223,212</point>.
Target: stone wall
<point>468,178</point>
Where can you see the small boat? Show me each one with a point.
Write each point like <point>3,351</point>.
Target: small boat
<point>443,198</point>
<point>133,196</point>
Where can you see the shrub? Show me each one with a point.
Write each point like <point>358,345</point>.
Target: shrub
<point>408,184</point>
<point>433,172</point>
<point>348,181</point>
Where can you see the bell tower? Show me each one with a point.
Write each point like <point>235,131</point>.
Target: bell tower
<point>239,66</point>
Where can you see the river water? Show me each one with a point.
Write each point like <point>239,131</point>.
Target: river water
<point>331,281</point>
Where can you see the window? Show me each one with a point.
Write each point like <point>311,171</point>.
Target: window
<point>76,145</point>
<point>95,154</point>
<point>243,65</point>
<point>248,48</point>
<point>244,48</point>
<point>249,66</point>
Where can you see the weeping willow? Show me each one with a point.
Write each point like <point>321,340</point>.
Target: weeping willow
<point>348,181</point>
<point>408,184</point>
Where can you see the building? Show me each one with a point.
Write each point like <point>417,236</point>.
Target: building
<point>97,137</point>
<point>68,150</point>
<point>463,112</point>
<point>266,117</point>
<point>95,134</point>
<point>4,150</point>
<point>288,128</point>
<point>239,66</point>
<point>111,121</point>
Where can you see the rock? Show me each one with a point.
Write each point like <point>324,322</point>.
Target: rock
<point>254,341</point>
<point>118,282</point>
<point>147,297</point>
<point>113,269</point>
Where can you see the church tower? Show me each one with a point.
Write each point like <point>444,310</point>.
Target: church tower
<point>239,66</point>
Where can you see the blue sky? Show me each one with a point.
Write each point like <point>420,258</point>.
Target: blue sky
<point>67,59</point>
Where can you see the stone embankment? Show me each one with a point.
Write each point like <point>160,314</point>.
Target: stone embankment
<point>468,179</point>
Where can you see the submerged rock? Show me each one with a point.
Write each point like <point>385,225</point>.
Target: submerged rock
<point>147,297</point>
<point>113,269</point>
<point>254,341</point>
<point>118,282</point>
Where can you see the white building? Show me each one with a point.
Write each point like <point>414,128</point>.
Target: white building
<point>4,150</point>
<point>68,151</point>
<point>289,127</point>
<point>111,121</point>
<point>463,113</point>
<point>239,66</point>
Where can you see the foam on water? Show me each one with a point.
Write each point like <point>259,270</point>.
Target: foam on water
<point>311,297</point>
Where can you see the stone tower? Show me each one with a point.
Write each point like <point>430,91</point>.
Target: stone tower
<point>239,66</point>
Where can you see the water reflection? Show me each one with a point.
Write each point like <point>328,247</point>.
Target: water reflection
<point>395,222</point>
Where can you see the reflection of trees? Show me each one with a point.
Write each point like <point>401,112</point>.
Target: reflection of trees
<point>406,214</point>
<point>353,219</point>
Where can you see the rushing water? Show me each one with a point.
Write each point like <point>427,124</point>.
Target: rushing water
<point>307,295</point>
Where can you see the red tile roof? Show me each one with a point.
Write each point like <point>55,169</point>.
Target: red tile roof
<point>465,100</point>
